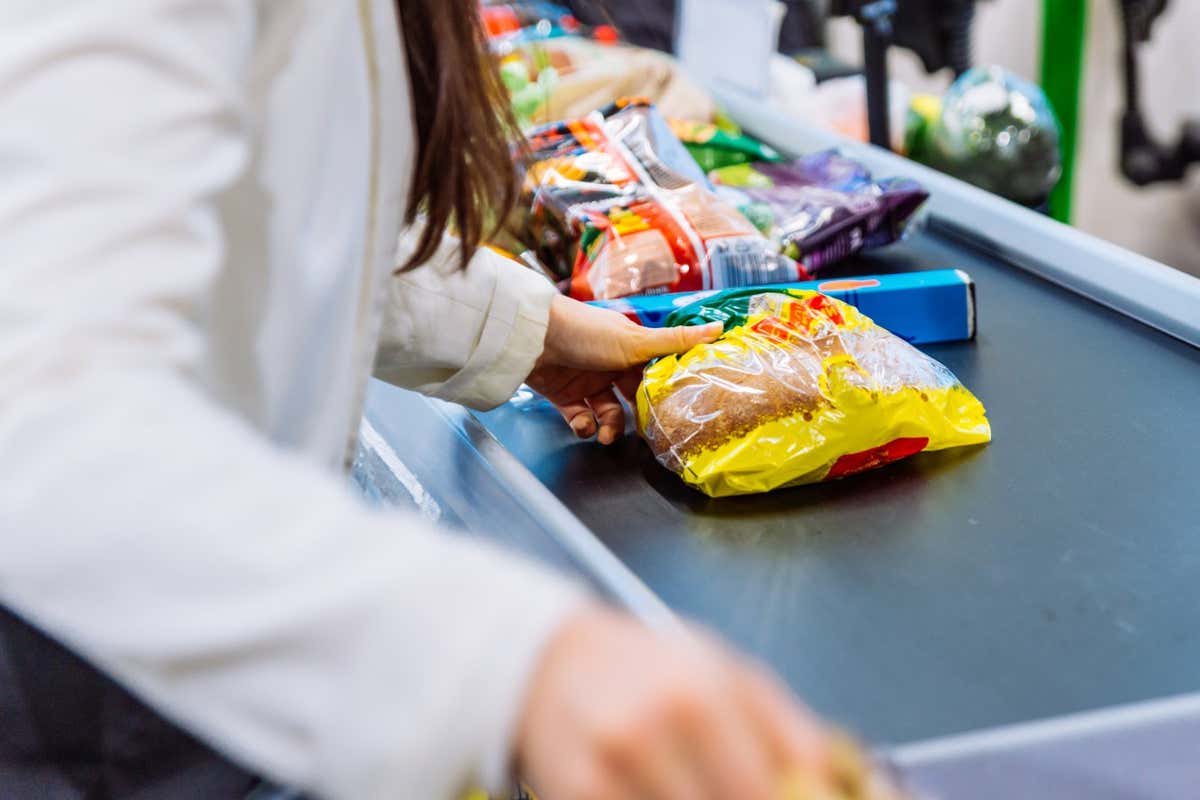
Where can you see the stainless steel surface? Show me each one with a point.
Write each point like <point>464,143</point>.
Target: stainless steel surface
<point>568,532</point>
<point>438,460</point>
<point>414,458</point>
<point>1148,751</point>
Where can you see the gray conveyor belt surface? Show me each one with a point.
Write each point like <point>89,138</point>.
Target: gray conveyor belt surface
<point>1055,570</point>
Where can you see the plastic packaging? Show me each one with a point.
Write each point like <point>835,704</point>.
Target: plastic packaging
<point>529,90</point>
<point>800,388</point>
<point>619,208</point>
<point>821,208</point>
<point>589,74</point>
<point>714,147</point>
<point>539,19</point>
<point>837,104</point>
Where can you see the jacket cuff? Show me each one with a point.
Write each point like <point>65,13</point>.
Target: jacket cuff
<point>511,341</point>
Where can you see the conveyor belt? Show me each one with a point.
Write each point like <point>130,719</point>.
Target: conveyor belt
<point>1056,570</point>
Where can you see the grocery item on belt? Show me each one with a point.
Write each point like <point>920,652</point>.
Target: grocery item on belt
<point>937,305</point>
<point>714,147</point>
<point>589,74</point>
<point>619,207</point>
<point>507,19</point>
<point>821,208</point>
<point>800,388</point>
<point>528,89</point>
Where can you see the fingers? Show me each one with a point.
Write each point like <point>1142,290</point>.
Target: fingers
<point>609,414</point>
<point>568,391</point>
<point>578,415</point>
<point>733,758</point>
<point>583,337</point>
<point>672,777</point>
<point>656,342</point>
<point>597,784</point>
<point>794,736</point>
<point>620,712</point>
<point>600,415</point>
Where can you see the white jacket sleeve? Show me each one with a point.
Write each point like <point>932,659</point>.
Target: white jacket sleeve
<point>469,336</point>
<point>246,595</point>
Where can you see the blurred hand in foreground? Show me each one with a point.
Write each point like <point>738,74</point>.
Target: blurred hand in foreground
<point>619,712</point>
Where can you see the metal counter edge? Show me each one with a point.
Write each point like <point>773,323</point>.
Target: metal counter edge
<point>1111,720</point>
<point>571,534</point>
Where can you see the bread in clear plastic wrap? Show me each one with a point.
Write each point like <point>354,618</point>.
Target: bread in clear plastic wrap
<point>800,388</point>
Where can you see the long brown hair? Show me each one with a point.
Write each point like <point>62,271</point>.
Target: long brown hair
<point>464,174</point>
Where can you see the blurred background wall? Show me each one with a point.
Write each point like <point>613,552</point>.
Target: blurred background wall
<point>1161,222</point>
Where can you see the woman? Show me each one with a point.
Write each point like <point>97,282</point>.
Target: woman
<point>199,216</point>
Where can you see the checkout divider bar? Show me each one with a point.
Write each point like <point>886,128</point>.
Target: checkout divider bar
<point>1154,294</point>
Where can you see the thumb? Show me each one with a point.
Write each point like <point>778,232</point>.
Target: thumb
<point>667,341</point>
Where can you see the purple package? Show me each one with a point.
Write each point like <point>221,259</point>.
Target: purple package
<point>820,208</point>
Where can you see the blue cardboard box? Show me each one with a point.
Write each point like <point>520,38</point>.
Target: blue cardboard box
<point>920,307</point>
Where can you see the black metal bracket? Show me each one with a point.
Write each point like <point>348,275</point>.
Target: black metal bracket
<point>1145,160</point>
<point>876,20</point>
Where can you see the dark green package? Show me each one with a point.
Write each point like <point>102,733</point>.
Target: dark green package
<point>715,147</point>
<point>729,307</point>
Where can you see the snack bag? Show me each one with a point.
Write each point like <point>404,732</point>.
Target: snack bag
<point>619,208</point>
<point>542,19</point>
<point>800,388</point>
<point>821,208</point>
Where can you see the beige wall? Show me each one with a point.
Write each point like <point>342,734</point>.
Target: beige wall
<point>1164,222</point>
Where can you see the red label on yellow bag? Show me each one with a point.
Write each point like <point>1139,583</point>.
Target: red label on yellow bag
<point>876,457</point>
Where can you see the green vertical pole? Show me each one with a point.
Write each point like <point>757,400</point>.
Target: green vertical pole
<point>1064,31</point>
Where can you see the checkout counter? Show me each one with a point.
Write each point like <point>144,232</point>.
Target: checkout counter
<point>1017,620</point>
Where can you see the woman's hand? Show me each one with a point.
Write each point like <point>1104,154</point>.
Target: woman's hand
<point>592,353</point>
<point>618,712</point>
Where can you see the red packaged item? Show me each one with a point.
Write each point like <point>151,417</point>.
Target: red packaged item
<point>617,207</point>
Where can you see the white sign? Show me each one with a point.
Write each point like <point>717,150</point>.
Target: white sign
<point>729,41</point>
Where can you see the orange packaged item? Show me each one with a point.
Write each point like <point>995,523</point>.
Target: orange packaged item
<point>618,207</point>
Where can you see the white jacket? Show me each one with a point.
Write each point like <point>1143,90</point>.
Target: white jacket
<point>199,209</point>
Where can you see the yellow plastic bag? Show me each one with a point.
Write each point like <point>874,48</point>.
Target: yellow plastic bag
<point>800,388</point>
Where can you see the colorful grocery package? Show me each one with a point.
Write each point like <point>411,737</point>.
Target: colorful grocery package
<point>579,73</point>
<point>820,208</point>
<point>618,206</point>
<point>714,147</point>
<point>924,307</point>
<point>800,388</point>
<point>541,18</point>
